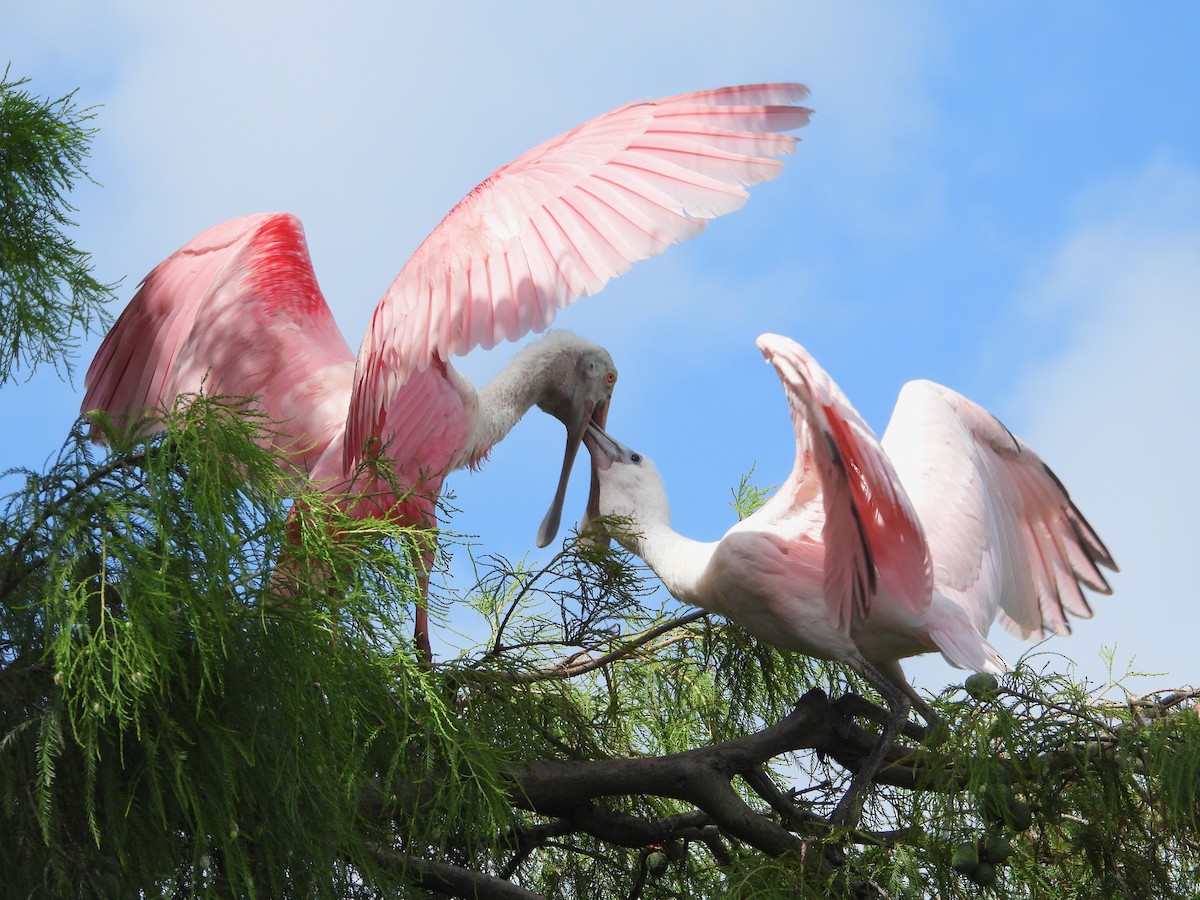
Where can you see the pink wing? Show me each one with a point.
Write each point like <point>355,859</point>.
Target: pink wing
<point>872,535</point>
<point>1005,537</point>
<point>424,447</point>
<point>558,223</point>
<point>236,311</point>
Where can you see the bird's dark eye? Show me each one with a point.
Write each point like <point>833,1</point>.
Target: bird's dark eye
<point>635,457</point>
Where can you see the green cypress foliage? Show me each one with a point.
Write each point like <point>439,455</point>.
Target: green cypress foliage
<point>169,722</point>
<point>47,290</point>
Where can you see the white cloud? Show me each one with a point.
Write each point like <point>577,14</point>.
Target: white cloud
<point>370,120</point>
<point>1114,413</point>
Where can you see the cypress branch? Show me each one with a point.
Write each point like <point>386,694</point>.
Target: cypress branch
<point>47,291</point>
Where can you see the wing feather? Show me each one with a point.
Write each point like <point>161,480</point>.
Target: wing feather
<point>871,533</point>
<point>1007,540</point>
<point>235,311</point>
<point>560,221</point>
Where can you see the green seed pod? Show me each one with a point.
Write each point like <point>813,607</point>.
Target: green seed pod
<point>1017,814</point>
<point>966,857</point>
<point>983,874</point>
<point>656,863</point>
<point>995,802</point>
<point>997,849</point>
<point>982,686</point>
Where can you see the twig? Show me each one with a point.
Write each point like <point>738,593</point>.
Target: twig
<point>528,838</point>
<point>526,587</point>
<point>579,664</point>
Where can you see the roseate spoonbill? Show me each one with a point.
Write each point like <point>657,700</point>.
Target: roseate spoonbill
<point>874,551</point>
<point>238,311</point>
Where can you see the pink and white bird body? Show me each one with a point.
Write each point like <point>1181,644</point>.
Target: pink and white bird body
<point>237,311</point>
<point>873,551</point>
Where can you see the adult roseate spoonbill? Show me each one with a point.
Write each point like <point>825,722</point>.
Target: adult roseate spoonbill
<point>237,310</point>
<point>874,551</point>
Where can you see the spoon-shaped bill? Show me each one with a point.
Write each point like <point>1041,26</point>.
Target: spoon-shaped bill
<point>589,414</point>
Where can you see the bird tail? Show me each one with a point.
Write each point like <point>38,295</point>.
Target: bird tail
<point>960,641</point>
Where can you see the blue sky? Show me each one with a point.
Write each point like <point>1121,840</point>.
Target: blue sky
<point>1004,198</point>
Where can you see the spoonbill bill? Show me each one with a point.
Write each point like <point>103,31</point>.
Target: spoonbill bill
<point>872,551</point>
<point>237,310</point>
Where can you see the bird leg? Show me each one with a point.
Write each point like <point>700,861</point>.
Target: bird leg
<point>896,677</point>
<point>422,563</point>
<point>899,702</point>
<point>290,571</point>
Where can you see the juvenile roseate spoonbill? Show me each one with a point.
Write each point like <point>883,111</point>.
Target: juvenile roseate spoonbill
<point>873,551</point>
<point>237,310</point>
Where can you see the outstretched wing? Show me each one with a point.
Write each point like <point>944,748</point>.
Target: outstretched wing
<point>558,223</point>
<point>236,311</point>
<point>1005,537</point>
<point>871,531</point>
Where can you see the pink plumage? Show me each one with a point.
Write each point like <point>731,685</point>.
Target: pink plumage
<point>1007,541</point>
<point>964,523</point>
<point>875,551</point>
<point>237,310</point>
<point>868,520</point>
<point>559,222</point>
<point>871,552</point>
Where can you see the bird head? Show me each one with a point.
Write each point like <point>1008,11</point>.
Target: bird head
<point>629,487</point>
<point>579,390</point>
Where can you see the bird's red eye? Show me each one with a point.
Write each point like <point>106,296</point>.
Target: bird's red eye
<point>610,377</point>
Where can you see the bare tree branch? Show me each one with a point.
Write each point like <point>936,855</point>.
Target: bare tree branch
<point>566,788</point>
<point>451,881</point>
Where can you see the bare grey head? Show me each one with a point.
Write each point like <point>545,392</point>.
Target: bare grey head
<point>579,380</point>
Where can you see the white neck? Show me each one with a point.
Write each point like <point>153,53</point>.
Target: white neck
<point>678,561</point>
